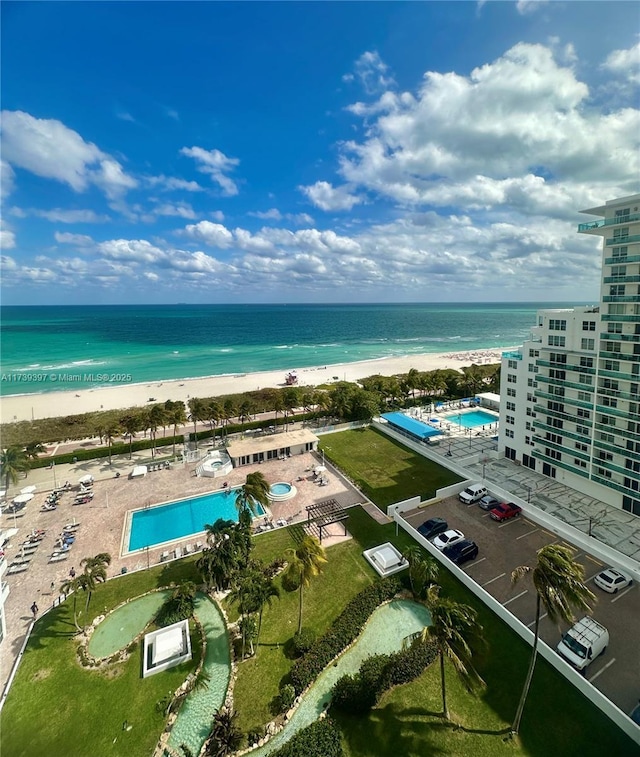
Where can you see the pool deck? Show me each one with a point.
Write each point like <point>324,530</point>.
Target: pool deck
<point>102,520</point>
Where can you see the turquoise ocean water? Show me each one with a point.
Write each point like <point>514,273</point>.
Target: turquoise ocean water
<point>45,349</point>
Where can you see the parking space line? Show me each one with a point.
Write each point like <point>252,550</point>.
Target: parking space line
<point>527,534</point>
<point>608,665</point>
<point>533,622</point>
<point>508,522</point>
<point>593,560</point>
<point>475,562</point>
<point>548,533</point>
<point>619,596</point>
<point>493,579</point>
<point>592,577</point>
<point>517,596</point>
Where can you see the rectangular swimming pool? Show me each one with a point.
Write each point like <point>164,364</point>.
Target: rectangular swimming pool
<point>156,525</point>
<point>472,418</point>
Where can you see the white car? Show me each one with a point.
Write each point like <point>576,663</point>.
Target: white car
<point>447,538</point>
<point>612,580</point>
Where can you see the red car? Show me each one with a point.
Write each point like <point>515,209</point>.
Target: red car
<point>505,511</point>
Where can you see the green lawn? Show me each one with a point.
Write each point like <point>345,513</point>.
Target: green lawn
<point>383,469</point>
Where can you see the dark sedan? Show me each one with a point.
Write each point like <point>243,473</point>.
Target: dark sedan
<point>461,551</point>
<point>433,527</point>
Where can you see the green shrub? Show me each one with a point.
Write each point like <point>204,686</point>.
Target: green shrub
<point>287,697</point>
<point>320,739</point>
<point>303,641</point>
<point>347,626</point>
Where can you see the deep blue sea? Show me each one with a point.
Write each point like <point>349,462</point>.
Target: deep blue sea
<point>53,348</point>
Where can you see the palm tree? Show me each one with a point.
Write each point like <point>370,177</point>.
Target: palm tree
<point>225,736</point>
<point>454,628</point>
<point>184,597</point>
<point>176,415</point>
<point>423,569</point>
<point>110,432</point>
<point>245,412</point>
<point>33,449</point>
<point>305,562</point>
<point>74,585</point>
<point>130,426</point>
<point>254,492</point>
<point>13,462</point>
<point>214,416</point>
<point>559,583</point>
<point>157,417</point>
<point>95,571</point>
<point>264,591</point>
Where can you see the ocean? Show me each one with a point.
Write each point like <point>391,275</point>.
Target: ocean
<point>55,348</point>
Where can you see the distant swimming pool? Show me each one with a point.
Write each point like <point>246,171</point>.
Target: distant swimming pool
<point>472,418</point>
<point>156,525</point>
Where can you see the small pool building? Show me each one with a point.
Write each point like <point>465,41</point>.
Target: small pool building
<point>271,446</point>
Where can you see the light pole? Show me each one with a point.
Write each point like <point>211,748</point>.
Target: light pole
<point>483,467</point>
<point>528,495</point>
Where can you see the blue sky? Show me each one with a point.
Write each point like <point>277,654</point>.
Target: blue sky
<point>312,152</point>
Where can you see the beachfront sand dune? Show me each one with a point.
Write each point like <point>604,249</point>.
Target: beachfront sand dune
<point>26,407</point>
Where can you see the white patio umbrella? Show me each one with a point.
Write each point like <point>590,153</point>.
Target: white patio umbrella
<point>23,498</point>
<point>28,489</point>
<point>88,479</point>
<point>320,469</point>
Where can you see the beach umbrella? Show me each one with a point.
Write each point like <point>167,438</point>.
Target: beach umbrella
<point>2,492</point>
<point>28,489</point>
<point>22,499</point>
<point>88,479</point>
<point>320,469</point>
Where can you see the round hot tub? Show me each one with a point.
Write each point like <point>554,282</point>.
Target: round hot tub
<point>281,490</point>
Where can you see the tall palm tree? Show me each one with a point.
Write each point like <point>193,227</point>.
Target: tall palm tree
<point>74,585</point>
<point>95,571</point>
<point>454,629</point>
<point>245,412</point>
<point>130,425</point>
<point>184,597</point>
<point>264,591</point>
<point>157,417</point>
<point>177,416</point>
<point>197,411</point>
<point>305,562</point>
<point>228,412</point>
<point>559,583</point>
<point>254,492</point>
<point>13,462</point>
<point>33,449</point>
<point>278,407</point>
<point>214,416</point>
<point>423,569</point>
<point>110,433</point>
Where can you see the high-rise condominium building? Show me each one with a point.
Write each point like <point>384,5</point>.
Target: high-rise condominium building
<point>570,397</point>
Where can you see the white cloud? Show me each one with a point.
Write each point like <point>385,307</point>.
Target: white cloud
<point>479,139</point>
<point>216,164</point>
<point>134,250</point>
<point>7,239</point>
<point>48,148</point>
<point>123,115</point>
<point>372,72</point>
<point>169,183</point>
<point>60,215</point>
<point>273,214</point>
<point>327,197</point>
<point>212,234</point>
<point>217,215</point>
<point>625,63</point>
<point>7,179</point>
<point>527,7</point>
<point>179,209</point>
<point>78,240</point>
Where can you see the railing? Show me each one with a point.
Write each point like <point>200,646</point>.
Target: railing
<point>512,355</point>
<point>591,225</point>
<point>622,259</point>
<point>622,240</point>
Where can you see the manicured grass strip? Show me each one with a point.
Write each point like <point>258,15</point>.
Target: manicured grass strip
<point>382,468</point>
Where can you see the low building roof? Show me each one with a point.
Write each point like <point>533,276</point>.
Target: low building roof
<point>242,447</point>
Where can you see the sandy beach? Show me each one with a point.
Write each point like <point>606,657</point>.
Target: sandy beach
<point>26,407</point>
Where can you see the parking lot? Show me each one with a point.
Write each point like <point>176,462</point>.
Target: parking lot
<point>505,546</point>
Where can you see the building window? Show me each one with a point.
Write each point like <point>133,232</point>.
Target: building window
<point>616,290</point>
<point>527,425</point>
<point>610,384</point>
<point>579,463</point>
<point>533,368</point>
<point>609,401</point>
<point>614,328</point>
<point>553,453</point>
<point>588,325</point>
<point>511,392</point>
<point>510,419</point>
<point>603,472</point>
<point>584,396</point>
<point>613,347</point>
<point>556,341</point>
<point>582,413</point>
<point>582,430</point>
<point>512,378</point>
<point>611,365</point>
<point>555,422</point>
<point>581,447</point>
<point>587,344</point>
<point>534,353</point>
<point>554,373</point>
<point>619,252</point>
<point>585,378</point>
<point>513,364</point>
<point>557,325</point>
<point>558,357</point>
<point>609,438</point>
<point>508,433</point>
<point>511,405</point>
<point>586,362</point>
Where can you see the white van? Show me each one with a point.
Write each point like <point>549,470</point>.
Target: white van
<point>472,493</point>
<point>583,642</point>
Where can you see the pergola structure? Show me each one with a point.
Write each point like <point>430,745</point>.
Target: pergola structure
<point>325,513</point>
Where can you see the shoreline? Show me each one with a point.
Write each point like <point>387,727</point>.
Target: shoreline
<point>27,407</point>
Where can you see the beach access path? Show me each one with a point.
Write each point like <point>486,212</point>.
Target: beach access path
<point>27,407</point>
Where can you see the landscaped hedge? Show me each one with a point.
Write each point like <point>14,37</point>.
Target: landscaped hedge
<point>359,693</point>
<point>120,448</point>
<point>347,626</point>
<point>320,739</point>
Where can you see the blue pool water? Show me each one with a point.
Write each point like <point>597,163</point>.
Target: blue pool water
<point>472,419</point>
<point>280,488</point>
<point>176,520</point>
<point>412,425</point>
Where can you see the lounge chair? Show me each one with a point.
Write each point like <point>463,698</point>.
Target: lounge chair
<point>188,549</point>
<point>16,568</point>
<point>199,546</point>
<point>58,557</point>
<point>178,552</point>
